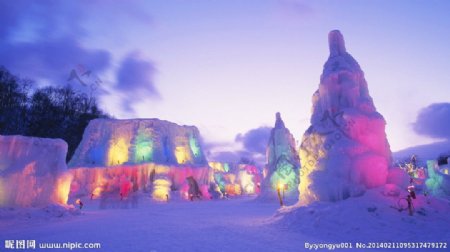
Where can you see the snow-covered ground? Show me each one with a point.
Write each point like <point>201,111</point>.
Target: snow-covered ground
<point>378,216</point>
<point>221,225</point>
<point>239,224</point>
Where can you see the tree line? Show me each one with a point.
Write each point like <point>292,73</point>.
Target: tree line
<point>51,112</point>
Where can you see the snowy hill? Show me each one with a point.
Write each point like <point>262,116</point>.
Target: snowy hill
<point>372,217</point>
<point>424,152</point>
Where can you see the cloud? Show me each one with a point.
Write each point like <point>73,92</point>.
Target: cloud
<point>225,156</point>
<point>42,40</point>
<point>294,8</point>
<point>135,80</point>
<point>248,146</point>
<point>52,60</point>
<point>255,140</point>
<point>239,156</point>
<point>48,40</point>
<point>434,121</point>
<point>9,19</point>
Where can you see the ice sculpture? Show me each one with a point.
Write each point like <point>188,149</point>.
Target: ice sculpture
<point>281,172</point>
<point>345,149</point>
<point>109,142</point>
<point>153,155</point>
<point>438,181</point>
<point>235,179</point>
<point>33,171</point>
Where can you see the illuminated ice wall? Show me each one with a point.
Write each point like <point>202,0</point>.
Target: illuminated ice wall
<point>345,149</point>
<point>152,155</point>
<point>235,179</point>
<point>438,181</point>
<point>250,179</point>
<point>282,163</point>
<point>109,142</point>
<point>33,171</point>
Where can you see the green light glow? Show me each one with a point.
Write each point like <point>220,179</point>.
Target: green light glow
<point>195,147</point>
<point>284,175</point>
<point>226,167</point>
<point>434,180</point>
<point>143,148</point>
<point>218,177</point>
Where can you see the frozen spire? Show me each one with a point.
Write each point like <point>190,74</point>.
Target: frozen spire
<point>282,162</point>
<point>345,150</point>
<point>278,121</point>
<point>336,43</point>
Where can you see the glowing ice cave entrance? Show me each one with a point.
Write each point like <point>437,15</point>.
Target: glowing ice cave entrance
<point>118,152</point>
<point>143,149</point>
<point>182,155</point>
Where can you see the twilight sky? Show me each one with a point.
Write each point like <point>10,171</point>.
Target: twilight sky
<point>228,66</point>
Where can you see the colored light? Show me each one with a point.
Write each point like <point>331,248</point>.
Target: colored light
<point>247,183</point>
<point>226,167</point>
<point>220,181</point>
<point>118,152</point>
<point>284,175</point>
<point>195,147</point>
<point>435,180</point>
<point>143,149</point>
<point>216,166</point>
<point>161,189</point>
<point>231,178</point>
<point>97,192</point>
<point>2,192</point>
<point>233,189</point>
<point>309,165</point>
<point>182,155</point>
<point>62,188</point>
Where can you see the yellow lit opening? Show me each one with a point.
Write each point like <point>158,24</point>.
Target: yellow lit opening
<point>182,154</point>
<point>118,152</point>
<point>62,188</point>
<point>161,189</point>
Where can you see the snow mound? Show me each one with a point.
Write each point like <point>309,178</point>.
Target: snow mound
<point>47,212</point>
<point>372,217</point>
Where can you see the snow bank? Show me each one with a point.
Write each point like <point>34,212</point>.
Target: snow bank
<point>36,213</point>
<point>372,217</point>
<point>32,171</point>
<point>345,150</point>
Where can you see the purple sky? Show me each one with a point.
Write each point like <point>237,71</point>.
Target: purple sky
<point>228,66</point>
